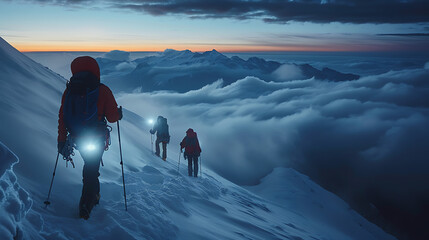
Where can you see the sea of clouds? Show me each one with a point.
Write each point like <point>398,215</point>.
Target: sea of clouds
<point>365,140</point>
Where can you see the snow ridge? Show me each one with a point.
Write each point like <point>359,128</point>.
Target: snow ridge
<point>14,200</point>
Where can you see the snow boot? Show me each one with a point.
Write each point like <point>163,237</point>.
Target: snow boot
<point>83,211</point>
<point>85,207</point>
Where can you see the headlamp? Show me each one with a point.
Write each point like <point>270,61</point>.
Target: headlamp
<point>150,121</point>
<point>90,147</point>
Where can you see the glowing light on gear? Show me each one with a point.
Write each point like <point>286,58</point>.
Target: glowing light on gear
<point>150,121</point>
<point>91,147</point>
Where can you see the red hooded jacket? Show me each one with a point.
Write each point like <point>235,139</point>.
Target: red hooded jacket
<point>106,104</point>
<point>190,143</point>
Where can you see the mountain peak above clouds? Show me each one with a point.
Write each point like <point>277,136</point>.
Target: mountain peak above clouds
<point>213,52</point>
<point>185,70</point>
<point>171,53</point>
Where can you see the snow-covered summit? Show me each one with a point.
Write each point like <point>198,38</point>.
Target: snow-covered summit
<point>171,57</point>
<point>182,71</point>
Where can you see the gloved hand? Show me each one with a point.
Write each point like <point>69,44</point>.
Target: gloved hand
<point>152,131</point>
<point>120,113</point>
<point>60,147</point>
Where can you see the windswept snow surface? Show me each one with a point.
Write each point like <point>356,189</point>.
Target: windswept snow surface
<point>29,103</point>
<point>165,204</point>
<point>162,202</point>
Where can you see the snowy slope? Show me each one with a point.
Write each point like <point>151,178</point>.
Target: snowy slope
<point>29,102</point>
<point>162,203</point>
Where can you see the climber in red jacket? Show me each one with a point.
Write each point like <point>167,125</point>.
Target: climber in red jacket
<point>86,104</point>
<point>192,150</point>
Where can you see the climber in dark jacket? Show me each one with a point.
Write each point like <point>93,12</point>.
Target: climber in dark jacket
<point>192,150</point>
<point>162,136</point>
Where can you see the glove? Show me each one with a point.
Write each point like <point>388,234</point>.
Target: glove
<point>120,113</point>
<point>60,147</point>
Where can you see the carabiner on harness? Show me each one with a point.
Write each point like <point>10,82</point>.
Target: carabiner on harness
<point>108,140</point>
<point>68,151</point>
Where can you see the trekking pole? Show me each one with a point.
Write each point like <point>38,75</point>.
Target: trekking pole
<point>201,166</point>
<point>151,143</point>
<point>122,164</point>
<point>52,181</point>
<point>178,166</point>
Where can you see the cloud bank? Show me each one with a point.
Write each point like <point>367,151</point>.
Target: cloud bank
<point>288,72</point>
<point>365,140</point>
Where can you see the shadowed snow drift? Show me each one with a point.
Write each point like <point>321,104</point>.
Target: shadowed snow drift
<point>14,200</point>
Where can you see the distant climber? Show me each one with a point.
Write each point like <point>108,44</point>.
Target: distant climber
<point>162,136</point>
<point>192,151</point>
<point>85,105</point>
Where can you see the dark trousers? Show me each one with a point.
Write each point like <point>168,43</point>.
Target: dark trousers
<point>164,148</point>
<point>91,184</point>
<point>193,159</point>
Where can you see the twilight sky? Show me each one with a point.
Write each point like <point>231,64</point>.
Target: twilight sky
<point>226,25</point>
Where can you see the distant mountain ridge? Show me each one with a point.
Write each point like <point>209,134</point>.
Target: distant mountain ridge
<point>185,70</point>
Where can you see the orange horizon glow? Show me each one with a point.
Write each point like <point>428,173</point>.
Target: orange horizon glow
<point>199,48</point>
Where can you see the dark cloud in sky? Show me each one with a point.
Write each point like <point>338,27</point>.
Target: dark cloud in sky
<point>406,34</point>
<point>279,11</point>
<point>64,2</point>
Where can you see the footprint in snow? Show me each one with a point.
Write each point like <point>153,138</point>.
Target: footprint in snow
<point>151,175</point>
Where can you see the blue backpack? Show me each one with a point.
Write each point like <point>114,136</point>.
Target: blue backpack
<point>162,128</point>
<point>80,103</point>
